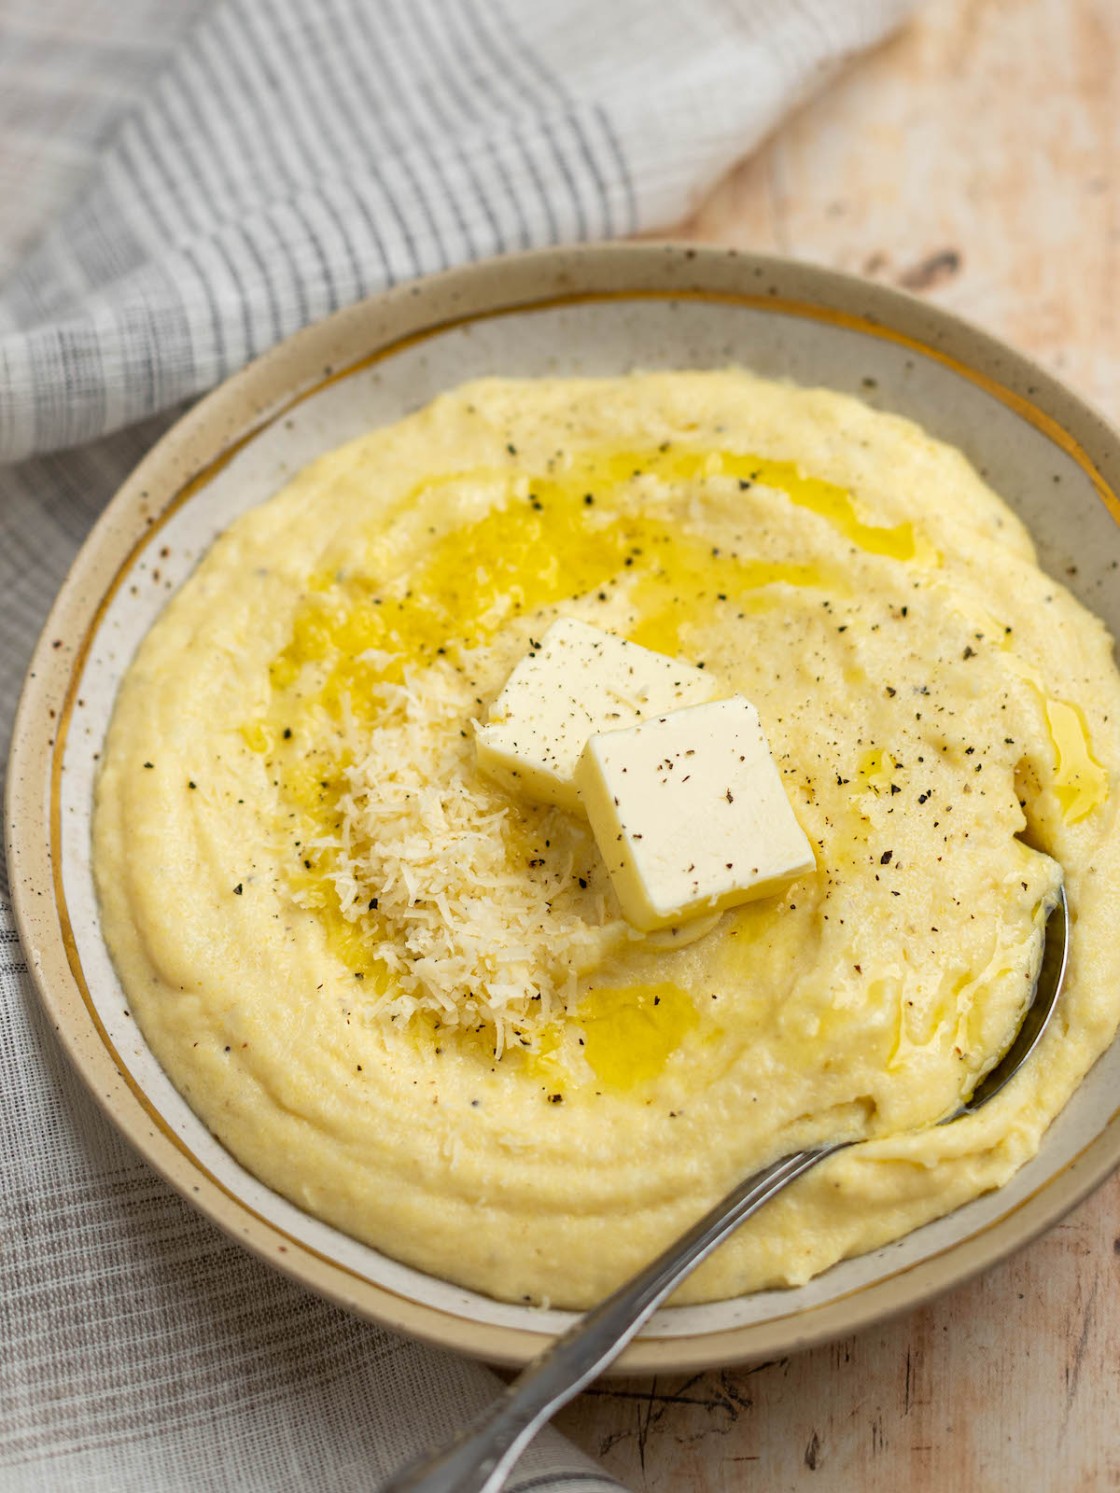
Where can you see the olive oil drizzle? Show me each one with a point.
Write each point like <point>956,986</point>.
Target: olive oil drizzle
<point>583,528</point>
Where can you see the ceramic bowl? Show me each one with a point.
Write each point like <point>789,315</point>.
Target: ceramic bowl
<point>600,310</point>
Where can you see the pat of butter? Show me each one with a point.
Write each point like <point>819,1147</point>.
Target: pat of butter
<point>690,813</point>
<point>578,681</point>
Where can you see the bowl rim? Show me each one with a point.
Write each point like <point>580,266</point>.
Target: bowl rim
<point>245,406</point>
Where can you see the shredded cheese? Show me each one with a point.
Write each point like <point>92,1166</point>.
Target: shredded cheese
<point>482,910</point>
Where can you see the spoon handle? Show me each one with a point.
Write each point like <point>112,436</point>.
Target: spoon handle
<point>479,1460</point>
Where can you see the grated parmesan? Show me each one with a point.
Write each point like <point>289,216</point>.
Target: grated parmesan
<point>481,917</point>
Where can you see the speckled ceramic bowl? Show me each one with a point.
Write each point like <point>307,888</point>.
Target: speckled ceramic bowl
<point>586,311</point>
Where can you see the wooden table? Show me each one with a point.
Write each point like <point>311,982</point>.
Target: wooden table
<point>975,159</point>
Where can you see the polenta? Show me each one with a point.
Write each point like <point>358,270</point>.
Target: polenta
<point>407,1000</point>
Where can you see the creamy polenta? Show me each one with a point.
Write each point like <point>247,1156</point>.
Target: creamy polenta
<point>408,1001</point>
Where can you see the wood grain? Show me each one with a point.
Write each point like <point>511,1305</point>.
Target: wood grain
<point>974,159</point>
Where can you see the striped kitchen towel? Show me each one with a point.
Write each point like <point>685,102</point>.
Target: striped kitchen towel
<point>291,156</point>
<point>185,183</point>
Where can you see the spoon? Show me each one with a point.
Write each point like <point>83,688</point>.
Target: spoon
<point>482,1456</point>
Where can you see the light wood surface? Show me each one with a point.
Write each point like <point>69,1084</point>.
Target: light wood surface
<point>975,159</point>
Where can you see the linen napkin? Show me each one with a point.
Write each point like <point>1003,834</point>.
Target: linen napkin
<point>183,185</point>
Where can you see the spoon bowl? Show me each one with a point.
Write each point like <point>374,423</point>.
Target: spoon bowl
<point>1036,1017</point>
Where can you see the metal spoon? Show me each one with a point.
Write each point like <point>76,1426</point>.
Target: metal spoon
<point>481,1457</point>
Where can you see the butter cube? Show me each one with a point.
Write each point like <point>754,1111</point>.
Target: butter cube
<point>690,814</point>
<point>577,682</point>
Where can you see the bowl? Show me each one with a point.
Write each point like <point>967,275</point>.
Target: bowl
<point>586,311</point>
